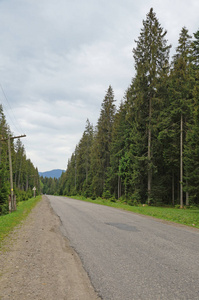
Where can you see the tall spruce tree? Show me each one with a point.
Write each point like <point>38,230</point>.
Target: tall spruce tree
<point>83,160</point>
<point>132,164</point>
<point>151,57</point>
<point>117,149</point>
<point>100,158</point>
<point>182,83</point>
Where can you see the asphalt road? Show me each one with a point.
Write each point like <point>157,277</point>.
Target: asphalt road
<point>128,256</point>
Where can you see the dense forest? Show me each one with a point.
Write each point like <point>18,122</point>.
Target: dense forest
<point>147,150</point>
<point>25,175</point>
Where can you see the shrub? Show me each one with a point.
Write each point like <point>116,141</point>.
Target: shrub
<point>106,194</point>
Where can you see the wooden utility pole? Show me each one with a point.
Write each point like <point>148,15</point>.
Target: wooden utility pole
<point>13,205</point>
<point>11,177</point>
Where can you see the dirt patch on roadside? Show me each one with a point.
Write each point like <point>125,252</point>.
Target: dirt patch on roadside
<point>38,262</point>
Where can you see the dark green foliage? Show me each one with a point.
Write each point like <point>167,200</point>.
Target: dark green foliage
<point>195,47</point>
<point>101,148</point>
<point>49,185</point>
<point>114,182</point>
<point>151,60</point>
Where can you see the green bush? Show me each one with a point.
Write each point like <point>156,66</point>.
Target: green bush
<point>177,206</point>
<point>112,199</point>
<point>106,194</point>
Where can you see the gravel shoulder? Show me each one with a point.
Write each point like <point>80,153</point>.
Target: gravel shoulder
<point>37,262</point>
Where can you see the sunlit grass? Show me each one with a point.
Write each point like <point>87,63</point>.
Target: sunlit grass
<point>8,222</point>
<point>189,217</point>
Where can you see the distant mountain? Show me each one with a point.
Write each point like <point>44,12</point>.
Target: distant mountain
<point>53,173</point>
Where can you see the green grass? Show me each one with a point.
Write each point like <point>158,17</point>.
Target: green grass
<point>8,222</point>
<point>189,217</point>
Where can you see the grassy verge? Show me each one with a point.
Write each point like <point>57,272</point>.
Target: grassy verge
<point>8,222</point>
<point>189,217</point>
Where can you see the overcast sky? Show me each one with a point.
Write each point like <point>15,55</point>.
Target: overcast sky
<point>58,58</point>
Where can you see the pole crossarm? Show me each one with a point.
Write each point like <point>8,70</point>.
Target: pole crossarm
<point>13,137</point>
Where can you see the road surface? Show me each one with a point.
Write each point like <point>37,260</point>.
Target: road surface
<point>128,256</point>
<point>38,263</point>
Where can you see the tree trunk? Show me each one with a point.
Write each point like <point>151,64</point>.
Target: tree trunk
<point>181,162</point>
<point>187,195</point>
<point>87,148</point>
<point>75,171</point>
<point>149,155</point>
<point>119,187</point>
<point>27,183</point>
<point>173,189</point>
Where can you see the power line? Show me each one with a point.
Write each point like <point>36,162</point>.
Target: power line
<point>16,124</point>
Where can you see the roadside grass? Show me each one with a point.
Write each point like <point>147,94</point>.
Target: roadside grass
<point>186,216</point>
<point>8,222</point>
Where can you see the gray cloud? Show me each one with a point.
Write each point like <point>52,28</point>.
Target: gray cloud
<point>57,59</point>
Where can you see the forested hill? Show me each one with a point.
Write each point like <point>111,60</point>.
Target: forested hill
<point>52,174</point>
<point>147,150</point>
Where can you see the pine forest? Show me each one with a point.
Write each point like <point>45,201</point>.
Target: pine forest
<point>147,150</point>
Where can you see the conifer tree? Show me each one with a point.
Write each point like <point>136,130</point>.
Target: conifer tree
<point>83,160</point>
<point>151,57</point>
<point>182,93</point>
<point>100,158</point>
<point>117,149</point>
